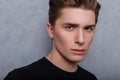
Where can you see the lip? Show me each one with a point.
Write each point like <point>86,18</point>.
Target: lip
<point>78,51</point>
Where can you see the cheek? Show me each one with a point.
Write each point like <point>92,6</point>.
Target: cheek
<point>89,39</point>
<point>63,39</point>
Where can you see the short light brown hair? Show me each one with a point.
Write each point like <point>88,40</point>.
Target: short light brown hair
<point>55,7</point>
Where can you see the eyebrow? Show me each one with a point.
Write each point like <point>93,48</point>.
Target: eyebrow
<point>92,25</point>
<point>74,24</point>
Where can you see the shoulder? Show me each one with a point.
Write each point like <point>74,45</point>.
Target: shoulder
<point>26,71</point>
<point>86,74</point>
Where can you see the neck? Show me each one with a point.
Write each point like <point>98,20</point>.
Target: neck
<point>61,63</point>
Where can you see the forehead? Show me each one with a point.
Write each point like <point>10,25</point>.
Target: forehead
<point>77,15</point>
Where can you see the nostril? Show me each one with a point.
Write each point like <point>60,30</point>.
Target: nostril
<point>80,43</point>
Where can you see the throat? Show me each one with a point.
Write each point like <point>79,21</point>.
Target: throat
<point>62,63</point>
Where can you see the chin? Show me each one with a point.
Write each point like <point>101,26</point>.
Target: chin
<point>77,59</point>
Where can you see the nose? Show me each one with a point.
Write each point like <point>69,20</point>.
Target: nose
<point>79,38</point>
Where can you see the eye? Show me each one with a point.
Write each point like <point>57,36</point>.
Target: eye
<point>89,28</point>
<point>69,27</point>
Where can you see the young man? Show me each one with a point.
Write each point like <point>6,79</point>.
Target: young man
<point>71,27</point>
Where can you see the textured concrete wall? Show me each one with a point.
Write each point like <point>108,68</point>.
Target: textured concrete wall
<point>24,39</point>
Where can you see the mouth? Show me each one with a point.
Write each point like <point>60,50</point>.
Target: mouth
<point>78,51</point>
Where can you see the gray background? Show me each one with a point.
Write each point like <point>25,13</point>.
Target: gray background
<point>24,39</point>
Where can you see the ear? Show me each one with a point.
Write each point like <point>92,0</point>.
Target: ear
<point>50,30</point>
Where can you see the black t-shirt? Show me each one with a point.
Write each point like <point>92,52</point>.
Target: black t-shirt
<point>45,70</point>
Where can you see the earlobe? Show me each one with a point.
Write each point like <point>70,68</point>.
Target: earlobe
<point>50,30</point>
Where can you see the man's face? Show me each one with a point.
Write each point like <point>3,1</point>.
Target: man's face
<point>72,34</point>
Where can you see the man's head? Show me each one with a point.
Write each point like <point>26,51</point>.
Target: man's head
<point>72,27</point>
<point>57,5</point>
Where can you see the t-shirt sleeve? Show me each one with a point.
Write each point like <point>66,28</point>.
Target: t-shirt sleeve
<point>94,77</point>
<point>13,75</point>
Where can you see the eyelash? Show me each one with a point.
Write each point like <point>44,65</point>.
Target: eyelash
<point>69,27</point>
<point>89,28</point>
